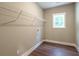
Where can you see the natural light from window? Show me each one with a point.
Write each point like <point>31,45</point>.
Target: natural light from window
<point>59,20</point>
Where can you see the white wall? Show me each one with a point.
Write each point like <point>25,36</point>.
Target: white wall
<point>77,24</point>
<point>61,34</point>
<point>20,38</point>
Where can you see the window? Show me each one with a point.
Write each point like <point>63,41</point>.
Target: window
<point>59,20</point>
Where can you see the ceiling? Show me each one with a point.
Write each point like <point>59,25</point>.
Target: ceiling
<point>46,5</point>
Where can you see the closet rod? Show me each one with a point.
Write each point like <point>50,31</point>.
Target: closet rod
<point>23,25</point>
<point>20,14</point>
<point>8,9</point>
<point>13,20</point>
<point>31,15</point>
<point>25,12</point>
<point>34,16</point>
<point>7,15</point>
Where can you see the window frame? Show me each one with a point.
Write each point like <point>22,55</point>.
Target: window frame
<point>54,20</point>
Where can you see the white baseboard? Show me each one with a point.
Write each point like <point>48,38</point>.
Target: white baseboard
<point>64,43</point>
<point>32,49</point>
<point>77,48</point>
<point>46,40</point>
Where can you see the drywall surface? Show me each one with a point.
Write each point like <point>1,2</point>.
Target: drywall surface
<point>60,34</point>
<point>77,23</point>
<point>18,36</point>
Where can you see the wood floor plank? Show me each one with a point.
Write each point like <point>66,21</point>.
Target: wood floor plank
<point>53,49</point>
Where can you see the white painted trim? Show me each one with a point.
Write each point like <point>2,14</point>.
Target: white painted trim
<point>32,49</point>
<point>77,48</point>
<point>46,40</point>
<point>63,43</point>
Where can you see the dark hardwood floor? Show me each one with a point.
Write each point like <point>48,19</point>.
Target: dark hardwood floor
<point>53,49</point>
